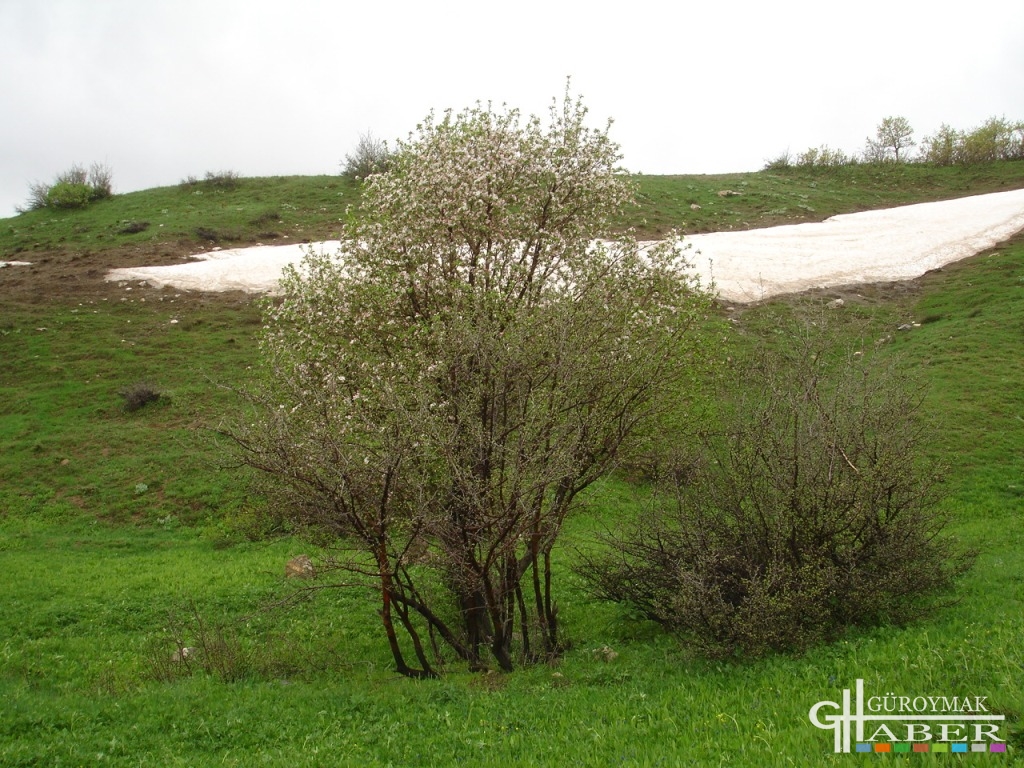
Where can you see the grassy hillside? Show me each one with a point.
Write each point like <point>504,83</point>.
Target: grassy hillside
<point>121,532</point>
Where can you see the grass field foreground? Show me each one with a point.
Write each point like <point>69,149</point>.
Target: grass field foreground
<point>122,534</point>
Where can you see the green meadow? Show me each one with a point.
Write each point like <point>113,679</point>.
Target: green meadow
<point>125,536</point>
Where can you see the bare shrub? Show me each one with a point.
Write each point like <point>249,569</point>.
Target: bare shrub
<point>810,511</point>
<point>100,181</point>
<point>133,227</point>
<point>193,644</point>
<point>223,180</point>
<point>138,396</point>
<point>780,162</point>
<point>37,197</point>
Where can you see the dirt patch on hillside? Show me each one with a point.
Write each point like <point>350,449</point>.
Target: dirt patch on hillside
<point>68,276</point>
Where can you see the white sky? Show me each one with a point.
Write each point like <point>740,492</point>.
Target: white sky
<point>162,89</point>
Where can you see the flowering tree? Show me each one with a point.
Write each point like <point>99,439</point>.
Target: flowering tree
<point>437,398</point>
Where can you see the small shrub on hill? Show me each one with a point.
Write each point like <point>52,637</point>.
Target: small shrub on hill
<point>370,156</point>
<point>138,396</point>
<point>823,157</point>
<point>74,188</point>
<point>224,181</point>
<point>780,162</point>
<point>133,227</point>
<point>66,195</point>
<point>809,512</point>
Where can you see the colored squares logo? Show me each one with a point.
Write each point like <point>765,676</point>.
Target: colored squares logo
<point>924,746</point>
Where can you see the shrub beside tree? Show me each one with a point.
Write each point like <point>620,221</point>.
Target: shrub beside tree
<point>810,511</point>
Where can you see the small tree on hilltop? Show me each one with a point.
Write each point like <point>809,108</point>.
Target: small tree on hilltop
<point>436,400</point>
<point>892,136</point>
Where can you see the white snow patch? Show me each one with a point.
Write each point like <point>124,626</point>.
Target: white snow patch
<point>874,246</point>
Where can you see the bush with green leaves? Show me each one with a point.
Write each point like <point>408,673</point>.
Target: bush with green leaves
<point>823,157</point>
<point>994,140</point>
<point>65,195</point>
<point>74,188</point>
<point>809,512</point>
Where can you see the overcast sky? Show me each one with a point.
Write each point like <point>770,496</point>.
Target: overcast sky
<point>162,89</point>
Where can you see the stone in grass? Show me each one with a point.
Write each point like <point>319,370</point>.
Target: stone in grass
<point>300,567</point>
<point>183,654</point>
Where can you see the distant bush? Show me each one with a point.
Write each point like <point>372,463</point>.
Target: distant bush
<point>944,147</point>
<point>222,179</point>
<point>809,512</point>
<point>994,140</point>
<point>74,188</point>
<point>213,180</point>
<point>138,396</point>
<point>823,157</point>
<point>133,227</point>
<point>65,195</point>
<point>228,651</point>
<point>780,162</point>
<point>370,156</point>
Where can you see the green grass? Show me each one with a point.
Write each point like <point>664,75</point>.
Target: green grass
<point>102,575</point>
<point>297,208</point>
<point>69,444</point>
<point>283,208</point>
<point>796,195</point>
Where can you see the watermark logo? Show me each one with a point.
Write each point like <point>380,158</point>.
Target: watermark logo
<point>894,723</point>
